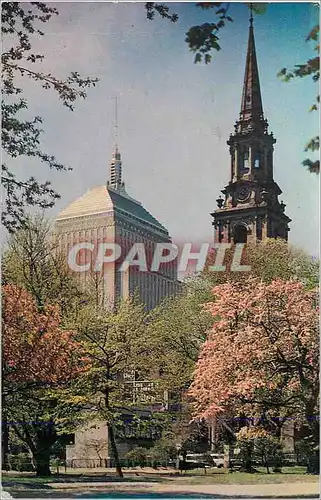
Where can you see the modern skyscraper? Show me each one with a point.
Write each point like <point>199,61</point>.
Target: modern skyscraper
<point>107,214</point>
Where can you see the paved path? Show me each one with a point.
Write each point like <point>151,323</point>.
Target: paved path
<point>282,490</point>
<point>159,487</point>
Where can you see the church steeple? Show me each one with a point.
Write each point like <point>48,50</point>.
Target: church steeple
<point>251,114</point>
<point>251,145</point>
<point>250,205</point>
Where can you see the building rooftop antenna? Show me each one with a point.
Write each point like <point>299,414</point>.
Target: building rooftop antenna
<point>116,121</point>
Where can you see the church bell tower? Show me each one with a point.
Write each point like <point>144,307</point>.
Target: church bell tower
<point>250,210</point>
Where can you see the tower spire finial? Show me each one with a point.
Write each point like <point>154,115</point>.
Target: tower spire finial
<point>251,15</point>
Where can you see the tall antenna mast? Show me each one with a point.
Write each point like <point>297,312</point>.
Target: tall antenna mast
<point>116,121</point>
<point>251,15</point>
<point>115,172</point>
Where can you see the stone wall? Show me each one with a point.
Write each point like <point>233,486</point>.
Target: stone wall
<point>90,448</point>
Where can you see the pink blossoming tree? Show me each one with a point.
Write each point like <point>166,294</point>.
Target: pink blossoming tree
<point>261,355</point>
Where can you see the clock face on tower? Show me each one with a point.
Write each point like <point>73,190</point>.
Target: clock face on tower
<point>243,193</point>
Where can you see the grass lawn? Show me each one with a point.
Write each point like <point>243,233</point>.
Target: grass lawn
<point>158,485</point>
<point>216,476</point>
<point>24,479</point>
<point>212,476</point>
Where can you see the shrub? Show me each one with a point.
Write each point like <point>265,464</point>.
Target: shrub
<point>56,462</point>
<point>137,456</point>
<point>245,442</point>
<point>257,441</point>
<point>163,451</point>
<point>308,453</point>
<point>21,462</point>
<point>270,450</point>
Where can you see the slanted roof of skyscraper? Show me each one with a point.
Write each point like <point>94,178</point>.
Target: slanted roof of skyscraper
<point>133,207</point>
<point>94,201</point>
<point>101,200</point>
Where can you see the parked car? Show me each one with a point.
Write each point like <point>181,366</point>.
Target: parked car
<point>235,463</point>
<point>218,459</point>
<point>195,461</point>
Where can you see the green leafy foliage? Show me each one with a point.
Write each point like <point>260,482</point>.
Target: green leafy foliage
<point>270,451</point>
<point>22,137</point>
<point>138,455</point>
<point>34,262</point>
<point>179,327</point>
<point>20,462</point>
<point>115,345</point>
<point>39,359</point>
<point>193,435</point>
<point>31,413</point>
<point>163,451</point>
<point>308,451</point>
<point>254,441</point>
<point>176,332</point>
<point>114,341</point>
<point>161,9</point>
<point>203,39</point>
<point>272,259</point>
<point>269,260</point>
<point>35,348</point>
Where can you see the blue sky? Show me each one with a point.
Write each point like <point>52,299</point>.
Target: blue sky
<point>175,116</point>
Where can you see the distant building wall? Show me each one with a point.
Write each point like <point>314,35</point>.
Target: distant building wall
<point>287,436</point>
<point>90,448</point>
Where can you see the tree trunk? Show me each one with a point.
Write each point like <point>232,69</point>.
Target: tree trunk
<point>313,466</point>
<point>248,464</point>
<point>5,443</point>
<point>113,445</point>
<point>247,459</point>
<point>42,462</point>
